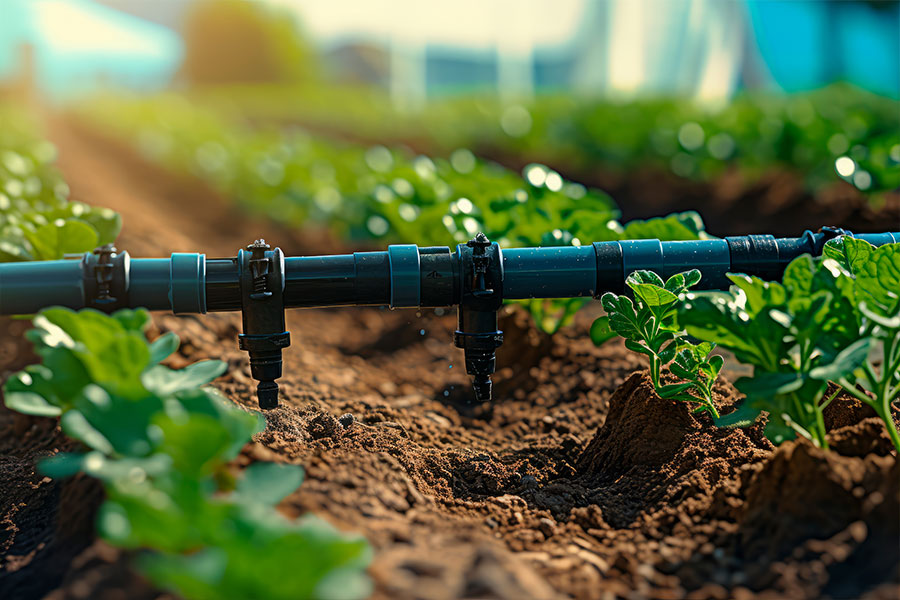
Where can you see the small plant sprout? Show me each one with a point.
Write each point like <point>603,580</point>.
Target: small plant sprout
<point>649,327</point>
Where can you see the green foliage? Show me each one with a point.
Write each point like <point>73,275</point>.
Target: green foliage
<point>36,221</point>
<point>829,320</point>
<point>649,327</point>
<point>876,294</point>
<point>160,442</point>
<point>384,194</point>
<point>754,133</point>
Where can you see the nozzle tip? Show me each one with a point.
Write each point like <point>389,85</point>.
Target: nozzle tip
<point>482,387</point>
<point>267,394</point>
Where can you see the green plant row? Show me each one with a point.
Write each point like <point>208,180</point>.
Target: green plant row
<point>833,320</point>
<point>379,193</point>
<point>36,220</point>
<point>837,132</point>
<point>160,441</point>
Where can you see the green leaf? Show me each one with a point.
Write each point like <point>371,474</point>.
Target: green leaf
<point>653,295</point>
<point>878,281</point>
<point>798,276</point>
<point>637,347</point>
<point>125,423</point>
<point>163,346</point>
<point>682,371</point>
<point>53,240</point>
<point>668,353</point>
<point>847,361</point>
<point>132,320</point>
<point>105,221</point>
<point>64,464</point>
<point>678,226</point>
<point>197,443</point>
<point>648,277</point>
<point>680,282</point>
<point>673,389</point>
<point>163,381</point>
<point>601,332</point>
<point>198,575</point>
<point>887,323</point>
<point>29,403</point>
<point>852,254</point>
<point>239,424</point>
<point>38,392</point>
<point>268,483</point>
<point>111,355</point>
<point>719,318</point>
<point>760,294</point>
<point>715,365</point>
<point>76,426</point>
<point>743,416</point>
<point>769,384</point>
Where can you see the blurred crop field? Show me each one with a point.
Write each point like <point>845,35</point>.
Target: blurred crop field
<point>336,127</point>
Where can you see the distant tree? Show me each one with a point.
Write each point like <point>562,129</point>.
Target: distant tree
<point>236,41</point>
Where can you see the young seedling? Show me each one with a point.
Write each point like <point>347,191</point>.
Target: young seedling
<point>876,291</point>
<point>649,326</point>
<point>835,319</point>
<point>159,439</point>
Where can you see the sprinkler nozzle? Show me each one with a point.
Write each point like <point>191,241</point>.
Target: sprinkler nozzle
<point>481,384</point>
<point>267,394</point>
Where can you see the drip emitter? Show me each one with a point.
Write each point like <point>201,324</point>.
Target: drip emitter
<point>477,277</point>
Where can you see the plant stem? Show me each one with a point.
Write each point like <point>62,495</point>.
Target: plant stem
<point>820,427</point>
<point>887,374</point>
<point>832,397</point>
<point>712,408</point>
<point>885,413</point>
<point>882,408</point>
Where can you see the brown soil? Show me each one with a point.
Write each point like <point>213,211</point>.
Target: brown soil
<point>576,482</point>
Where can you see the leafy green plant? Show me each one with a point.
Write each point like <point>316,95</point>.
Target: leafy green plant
<point>36,220</point>
<point>382,193</point>
<point>160,442</point>
<point>823,323</point>
<point>649,327</point>
<point>876,294</point>
<point>755,132</point>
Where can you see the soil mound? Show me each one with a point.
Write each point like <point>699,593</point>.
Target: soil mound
<point>653,452</point>
<point>838,514</point>
<point>668,494</point>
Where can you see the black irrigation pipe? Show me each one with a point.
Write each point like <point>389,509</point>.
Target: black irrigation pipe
<point>477,277</point>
